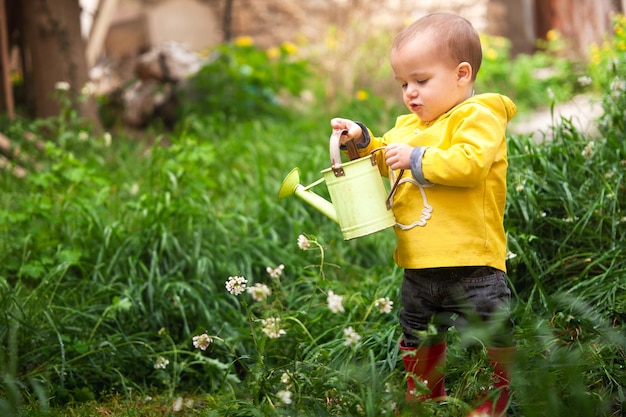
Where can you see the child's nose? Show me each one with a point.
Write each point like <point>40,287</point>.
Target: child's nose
<point>411,90</point>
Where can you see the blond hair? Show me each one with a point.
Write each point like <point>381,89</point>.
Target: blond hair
<point>456,38</point>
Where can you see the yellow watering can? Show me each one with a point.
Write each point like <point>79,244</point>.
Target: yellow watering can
<point>356,190</point>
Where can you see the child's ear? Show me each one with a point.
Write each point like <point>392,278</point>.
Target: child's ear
<point>464,72</point>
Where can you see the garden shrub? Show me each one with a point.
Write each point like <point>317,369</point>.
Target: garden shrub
<point>243,81</point>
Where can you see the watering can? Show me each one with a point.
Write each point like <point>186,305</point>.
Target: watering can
<point>356,189</point>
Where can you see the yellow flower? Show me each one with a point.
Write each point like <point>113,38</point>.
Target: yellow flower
<point>596,58</point>
<point>500,42</point>
<point>273,53</point>
<point>301,40</point>
<point>595,54</point>
<point>484,40</point>
<point>620,20</point>
<point>333,38</point>
<point>362,95</point>
<point>621,45</point>
<point>491,54</point>
<point>243,41</point>
<point>16,77</point>
<point>619,29</point>
<point>290,48</point>
<point>552,35</point>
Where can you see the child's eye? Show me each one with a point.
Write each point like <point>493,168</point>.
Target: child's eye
<point>422,82</point>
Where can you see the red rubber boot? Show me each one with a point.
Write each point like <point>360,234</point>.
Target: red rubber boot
<point>422,363</point>
<point>501,359</point>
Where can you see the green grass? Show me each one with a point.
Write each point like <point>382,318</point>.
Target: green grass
<point>114,256</point>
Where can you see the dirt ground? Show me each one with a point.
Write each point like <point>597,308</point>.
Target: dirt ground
<point>583,110</point>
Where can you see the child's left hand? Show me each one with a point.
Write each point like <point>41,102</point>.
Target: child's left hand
<point>398,156</point>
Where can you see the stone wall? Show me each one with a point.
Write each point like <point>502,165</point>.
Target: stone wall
<point>200,24</point>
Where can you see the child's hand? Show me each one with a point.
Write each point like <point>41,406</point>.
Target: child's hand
<point>353,130</point>
<point>398,156</point>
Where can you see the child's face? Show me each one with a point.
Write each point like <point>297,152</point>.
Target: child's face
<point>431,85</point>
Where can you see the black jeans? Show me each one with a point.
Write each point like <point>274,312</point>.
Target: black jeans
<point>475,300</point>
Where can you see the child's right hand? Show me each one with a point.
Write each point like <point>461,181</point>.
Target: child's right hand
<point>353,130</point>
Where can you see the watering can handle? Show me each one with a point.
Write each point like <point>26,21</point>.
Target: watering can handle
<point>353,151</point>
<point>335,154</point>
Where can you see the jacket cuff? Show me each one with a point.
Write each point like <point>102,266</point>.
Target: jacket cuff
<point>366,137</point>
<point>416,165</point>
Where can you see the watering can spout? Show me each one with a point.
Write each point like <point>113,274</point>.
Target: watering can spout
<point>291,185</point>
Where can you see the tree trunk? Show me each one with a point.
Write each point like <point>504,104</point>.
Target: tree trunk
<point>584,23</point>
<point>513,19</point>
<point>6,91</point>
<point>53,51</point>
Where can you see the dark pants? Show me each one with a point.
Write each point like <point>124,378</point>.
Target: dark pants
<point>475,300</point>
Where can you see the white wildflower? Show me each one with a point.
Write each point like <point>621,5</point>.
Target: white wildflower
<point>285,378</point>
<point>177,405</point>
<point>303,242</point>
<point>511,255</point>
<point>588,150</point>
<point>236,285</point>
<point>618,85</point>
<point>259,292</point>
<point>275,272</point>
<point>202,341</point>
<point>161,363</point>
<point>584,80</point>
<point>62,86</point>
<point>384,305</point>
<point>284,397</point>
<point>335,302</point>
<point>88,89</point>
<point>271,327</point>
<point>519,187</point>
<point>352,337</point>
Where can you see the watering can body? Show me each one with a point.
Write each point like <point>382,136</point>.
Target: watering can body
<point>356,190</point>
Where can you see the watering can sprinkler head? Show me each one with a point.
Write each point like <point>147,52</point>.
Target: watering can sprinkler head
<point>290,184</point>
